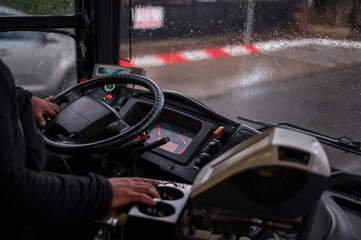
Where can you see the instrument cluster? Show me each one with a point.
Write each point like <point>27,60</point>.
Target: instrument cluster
<point>179,137</point>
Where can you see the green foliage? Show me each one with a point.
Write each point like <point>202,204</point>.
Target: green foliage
<point>41,7</point>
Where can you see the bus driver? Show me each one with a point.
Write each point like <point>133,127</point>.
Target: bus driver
<point>37,204</point>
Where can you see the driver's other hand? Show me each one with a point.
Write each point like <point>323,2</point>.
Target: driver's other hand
<point>133,189</point>
<point>43,107</point>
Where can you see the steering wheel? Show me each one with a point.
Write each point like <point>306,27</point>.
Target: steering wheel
<point>76,129</point>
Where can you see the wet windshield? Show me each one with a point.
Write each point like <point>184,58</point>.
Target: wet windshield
<point>294,61</point>
<point>282,60</point>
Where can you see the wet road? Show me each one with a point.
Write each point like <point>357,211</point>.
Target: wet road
<point>328,103</point>
<point>315,87</point>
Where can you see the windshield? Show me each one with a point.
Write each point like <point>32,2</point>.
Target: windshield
<point>286,60</point>
<point>282,60</point>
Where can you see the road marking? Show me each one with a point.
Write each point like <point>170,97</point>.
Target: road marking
<point>170,58</point>
<point>195,55</point>
<point>235,50</point>
<point>216,52</point>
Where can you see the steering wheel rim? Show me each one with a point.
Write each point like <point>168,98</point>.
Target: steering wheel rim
<point>124,136</point>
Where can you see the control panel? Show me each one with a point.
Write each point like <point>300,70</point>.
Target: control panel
<point>193,139</point>
<point>207,144</point>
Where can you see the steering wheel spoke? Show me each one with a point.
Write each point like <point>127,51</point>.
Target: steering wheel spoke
<point>118,126</point>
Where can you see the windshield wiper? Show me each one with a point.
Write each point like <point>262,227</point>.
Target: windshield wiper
<point>344,143</point>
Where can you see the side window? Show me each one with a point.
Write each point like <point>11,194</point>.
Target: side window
<point>43,63</point>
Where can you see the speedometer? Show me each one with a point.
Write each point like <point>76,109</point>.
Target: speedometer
<point>180,138</point>
<point>109,87</point>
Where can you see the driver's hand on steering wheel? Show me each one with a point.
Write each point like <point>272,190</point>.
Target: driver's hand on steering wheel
<point>127,190</point>
<point>43,107</point>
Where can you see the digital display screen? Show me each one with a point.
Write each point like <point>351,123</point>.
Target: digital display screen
<point>180,137</point>
<point>111,71</point>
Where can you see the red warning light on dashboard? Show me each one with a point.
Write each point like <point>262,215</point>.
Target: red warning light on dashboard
<point>109,96</point>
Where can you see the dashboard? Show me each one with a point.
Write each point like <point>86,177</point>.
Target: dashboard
<point>196,134</point>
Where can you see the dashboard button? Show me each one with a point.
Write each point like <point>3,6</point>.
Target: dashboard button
<point>121,101</point>
<point>202,159</point>
<point>211,147</point>
<point>219,132</point>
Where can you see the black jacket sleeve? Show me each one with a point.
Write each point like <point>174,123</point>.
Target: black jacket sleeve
<point>20,90</point>
<point>33,197</point>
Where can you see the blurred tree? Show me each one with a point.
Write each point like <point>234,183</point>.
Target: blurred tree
<point>41,7</point>
<point>337,13</point>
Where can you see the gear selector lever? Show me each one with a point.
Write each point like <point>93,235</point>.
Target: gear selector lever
<point>137,151</point>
